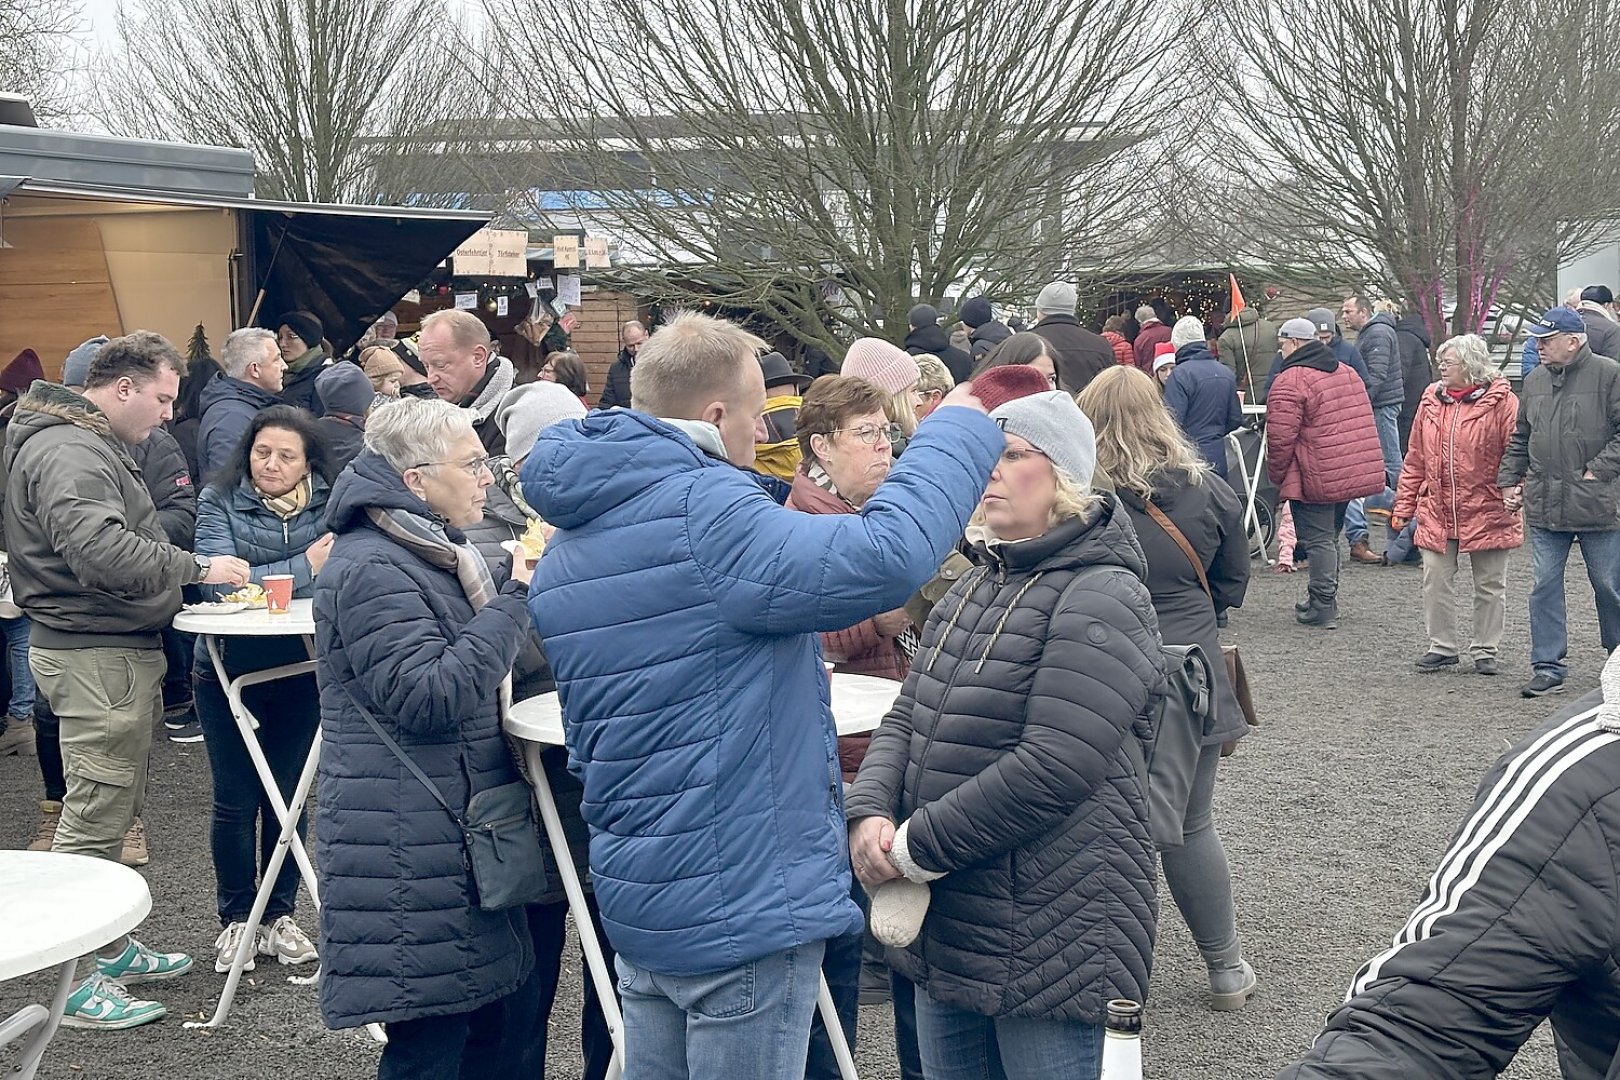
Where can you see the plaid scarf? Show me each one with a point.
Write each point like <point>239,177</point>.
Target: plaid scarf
<point>908,641</point>
<point>426,538</point>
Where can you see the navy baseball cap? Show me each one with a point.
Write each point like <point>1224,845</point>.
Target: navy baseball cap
<point>1560,320</point>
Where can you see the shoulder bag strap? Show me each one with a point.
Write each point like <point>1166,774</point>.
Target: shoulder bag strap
<point>403,757</point>
<point>1163,521</point>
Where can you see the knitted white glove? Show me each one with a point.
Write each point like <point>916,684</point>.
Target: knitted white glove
<point>1608,713</point>
<point>898,909</point>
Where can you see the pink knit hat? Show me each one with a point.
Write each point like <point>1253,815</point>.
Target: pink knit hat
<point>882,363</point>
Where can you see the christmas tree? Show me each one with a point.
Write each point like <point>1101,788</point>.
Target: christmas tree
<point>198,348</point>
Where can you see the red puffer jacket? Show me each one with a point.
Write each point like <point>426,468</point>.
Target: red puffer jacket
<point>1449,479</point>
<point>1322,443</point>
<point>859,650</point>
<point>1122,348</point>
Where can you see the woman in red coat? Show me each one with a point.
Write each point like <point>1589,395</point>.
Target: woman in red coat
<point>1449,483</point>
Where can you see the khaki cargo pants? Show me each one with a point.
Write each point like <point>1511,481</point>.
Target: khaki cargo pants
<point>109,701</point>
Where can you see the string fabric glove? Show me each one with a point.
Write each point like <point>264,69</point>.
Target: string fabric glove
<point>899,907</point>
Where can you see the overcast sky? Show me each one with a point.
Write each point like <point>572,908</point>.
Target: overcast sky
<point>101,17</point>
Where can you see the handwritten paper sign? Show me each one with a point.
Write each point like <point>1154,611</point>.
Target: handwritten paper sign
<point>568,289</point>
<point>596,253</point>
<point>493,253</point>
<point>565,252</point>
<point>466,301</point>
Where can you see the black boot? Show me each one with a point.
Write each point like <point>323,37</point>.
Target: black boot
<point>1325,616</point>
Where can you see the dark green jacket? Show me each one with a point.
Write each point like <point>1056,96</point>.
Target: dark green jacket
<point>90,563</point>
<point>1569,424</point>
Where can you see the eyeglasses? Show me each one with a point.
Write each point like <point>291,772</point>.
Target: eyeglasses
<point>474,468</point>
<point>870,435</point>
<point>1014,457</point>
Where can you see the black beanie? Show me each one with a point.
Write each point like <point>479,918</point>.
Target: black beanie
<point>305,325</point>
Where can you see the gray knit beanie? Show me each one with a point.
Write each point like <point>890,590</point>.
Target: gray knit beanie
<point>528,410</point>
<point>1053,424</point>
<point>345,388</point>
<point>76,368</point>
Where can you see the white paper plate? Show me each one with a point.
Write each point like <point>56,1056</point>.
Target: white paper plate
<point>218,607</point>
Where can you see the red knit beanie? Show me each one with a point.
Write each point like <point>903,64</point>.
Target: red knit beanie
<point>1002,384</point>
<point>21,373</point>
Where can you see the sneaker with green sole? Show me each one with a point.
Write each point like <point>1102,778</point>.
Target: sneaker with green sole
<point>138,964</point>
<point>99,1002</point>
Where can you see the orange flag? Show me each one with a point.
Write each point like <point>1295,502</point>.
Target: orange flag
<point>1237,297</point>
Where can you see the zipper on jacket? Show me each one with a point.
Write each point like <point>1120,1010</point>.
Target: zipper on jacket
<point>928,744</point>
<point>1456,519</point>
<point>286,533</point>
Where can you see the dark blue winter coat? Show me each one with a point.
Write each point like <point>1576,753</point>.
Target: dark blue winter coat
<point>1202,396</point>
<point>680,609</point>
<point>236,522</point>
<point>228,408</point>
<point>1380,350</point>
<point>402,936</point>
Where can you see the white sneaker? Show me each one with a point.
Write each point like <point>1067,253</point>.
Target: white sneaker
<point>283,940</point>
<point>229,940</point>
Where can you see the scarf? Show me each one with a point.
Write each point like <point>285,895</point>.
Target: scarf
<point>907,641</point>
<point>705,434</point>
<point>506,478</point>
<point>290,505</point>
<point>427,539</point>
<point>497,383</point>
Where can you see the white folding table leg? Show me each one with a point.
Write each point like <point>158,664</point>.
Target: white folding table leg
<point>835,1031</point>
<point>41,1022</point>
<point>286,840</point>
<point>606,988</point>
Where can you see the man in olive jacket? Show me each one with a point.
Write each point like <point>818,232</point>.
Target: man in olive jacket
<point>91,566</point>
<point>1562,465</point>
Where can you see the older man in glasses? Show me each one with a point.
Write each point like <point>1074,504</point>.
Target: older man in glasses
<point>1562,467</point>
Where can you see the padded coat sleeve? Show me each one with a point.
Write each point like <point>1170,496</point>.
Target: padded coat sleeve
<point>405,662</point>
<point>778,571</point>
<point>1100,665</point>
<point>1285,410</point>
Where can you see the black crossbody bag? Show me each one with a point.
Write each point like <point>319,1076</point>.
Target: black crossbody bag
<point>498,833</point>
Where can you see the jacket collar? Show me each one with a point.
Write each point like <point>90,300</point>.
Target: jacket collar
<point>1312,354</point>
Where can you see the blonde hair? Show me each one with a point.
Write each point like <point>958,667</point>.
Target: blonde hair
<point>1137,439</point>
<point>1386,307</point>
<point>1069,502</point>
<point>934,374</point>
<point>690,361</point>
<point>901,412</point>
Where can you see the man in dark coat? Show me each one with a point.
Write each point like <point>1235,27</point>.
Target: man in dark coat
<point>346,396</point>
<point>1417,373</point>
<point>1081,354</point>
<point>616,391</point>
<point>1202,394</point>
<point>253,368</point>
<point>985,331</point>
<point>1381,351</point>
<point>1596,309</point>
<point>927,336</point>
<point>1562,466</point>
<point>1517,926</point>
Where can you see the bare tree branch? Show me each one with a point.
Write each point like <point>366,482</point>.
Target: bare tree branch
<point>39,48</point>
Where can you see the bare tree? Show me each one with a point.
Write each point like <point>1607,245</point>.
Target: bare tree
<point>38,53</point>
<point>842,159</point>
<point>1443,151</point>
<point>311,87</point>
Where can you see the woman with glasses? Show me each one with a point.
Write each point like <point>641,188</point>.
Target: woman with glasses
<point>892,370</point>
<point>1030,349</point>
<point>267,507</point>
<point>415,635</point>
<point>1004,781</point>
<point>565,368</point>
<point>843,434</point>
<point>1448,484</point>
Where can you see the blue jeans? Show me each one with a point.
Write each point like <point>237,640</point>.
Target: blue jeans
<point>1355,522</point>
<point>1402,548</point>
<point>1549,632</point>
<point>962,1045</point>
<point>841,967</point>
<point>748,1021</point>
<point>1388,420</point>
<point>22,676</point>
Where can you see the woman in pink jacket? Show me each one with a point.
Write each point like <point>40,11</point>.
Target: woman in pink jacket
<point>1449,484</point>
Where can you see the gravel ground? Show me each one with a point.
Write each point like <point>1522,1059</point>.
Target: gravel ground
<point>1333,815</point>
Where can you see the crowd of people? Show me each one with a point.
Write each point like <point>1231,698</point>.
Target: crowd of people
<point>1028,531</point>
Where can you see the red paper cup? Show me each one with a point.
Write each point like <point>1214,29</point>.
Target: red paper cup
<point>278,590</point>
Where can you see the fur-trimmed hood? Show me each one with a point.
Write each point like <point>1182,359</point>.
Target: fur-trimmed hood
<point>46,405</point>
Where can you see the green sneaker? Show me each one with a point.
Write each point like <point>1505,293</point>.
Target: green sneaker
<point>138,964</point>
<point>99,1002</point>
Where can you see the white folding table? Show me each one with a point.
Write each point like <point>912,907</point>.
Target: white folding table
<point>859,704</point>
<point>57,908</point>
<point>1251,473</point>
<point>259,623</point>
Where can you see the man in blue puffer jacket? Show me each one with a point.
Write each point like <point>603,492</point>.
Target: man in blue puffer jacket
<point>1202,393</point>
<point>680,608</point>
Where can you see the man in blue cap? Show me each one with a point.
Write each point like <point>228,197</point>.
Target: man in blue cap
<point>1562,466</point>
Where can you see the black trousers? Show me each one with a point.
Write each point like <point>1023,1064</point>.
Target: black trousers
<point>479,1045</point>
<point>548,927</point>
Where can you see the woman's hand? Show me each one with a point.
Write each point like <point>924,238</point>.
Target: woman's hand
<point>317,552</point>
<point>870,840</point>
<point>522,568</point>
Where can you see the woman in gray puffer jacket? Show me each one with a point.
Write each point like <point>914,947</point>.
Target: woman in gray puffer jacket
<point>1007,766</point>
